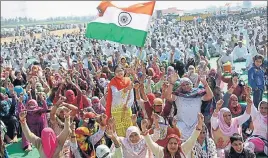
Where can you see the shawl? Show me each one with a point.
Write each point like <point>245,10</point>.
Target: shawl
<point>136,148</point>
<point>49,142</point>
<point>18,90</point>
<point>119,83</point>
<point>263,120</point>
<point>85,147</point>
<point>194,93</point>
<point>34,103</point>
<point>205,150</point>
<point>71,99</point>
<point>225,129</point>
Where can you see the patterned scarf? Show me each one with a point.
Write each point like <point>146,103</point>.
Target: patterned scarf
<point>136,148</point>
<point>194,93</point>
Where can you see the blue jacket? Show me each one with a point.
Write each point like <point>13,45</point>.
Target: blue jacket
<point>256,77</point>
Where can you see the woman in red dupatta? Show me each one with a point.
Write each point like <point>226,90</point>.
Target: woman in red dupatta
<point>119,100</point>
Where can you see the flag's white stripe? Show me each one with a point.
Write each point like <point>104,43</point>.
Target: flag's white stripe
<point>138,22</point>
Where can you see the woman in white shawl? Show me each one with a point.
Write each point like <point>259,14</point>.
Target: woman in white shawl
<point>258,141</point>
<point>134,145</point>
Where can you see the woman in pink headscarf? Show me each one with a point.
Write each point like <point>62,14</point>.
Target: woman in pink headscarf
<point>259,138</point>
<point>36,118</point>
<point>224,126</point>
<point>49,144</point>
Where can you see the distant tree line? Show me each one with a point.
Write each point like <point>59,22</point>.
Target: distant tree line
<point>27,20</point>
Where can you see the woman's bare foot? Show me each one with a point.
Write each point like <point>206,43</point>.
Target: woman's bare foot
<point>29,148</point>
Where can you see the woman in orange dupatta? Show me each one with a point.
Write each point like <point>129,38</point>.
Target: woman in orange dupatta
<point>119,100</point>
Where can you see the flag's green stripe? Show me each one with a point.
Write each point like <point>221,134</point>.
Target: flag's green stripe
<point>112,32</point>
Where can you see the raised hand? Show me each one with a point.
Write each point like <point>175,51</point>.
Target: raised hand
<point>67,114</point>
<point>10,87</point>
<point>144,125</point>
<point>200,120</point>
<point>219,104</point>
<point>203,80</point>
<point>248,90</point>
<point>136,86</point>
<point>134,119</point>
<point>21,98</point>
<point>110,132</point>
<point>60,101</point>
<point>174,122</point>
<point>173,78</point>
<point>23,115</point>
<point>102,120</point>
<point>111,122</point>
<point>249,101</point>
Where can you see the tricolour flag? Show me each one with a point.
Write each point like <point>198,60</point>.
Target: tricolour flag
<point>122,25</point>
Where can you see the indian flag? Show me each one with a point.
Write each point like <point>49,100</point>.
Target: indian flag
<point>122,25</point>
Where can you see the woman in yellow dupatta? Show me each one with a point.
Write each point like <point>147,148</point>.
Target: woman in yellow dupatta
<point>119,100</point>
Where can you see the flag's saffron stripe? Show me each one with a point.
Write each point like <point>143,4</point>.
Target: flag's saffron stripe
<point>140,8</point>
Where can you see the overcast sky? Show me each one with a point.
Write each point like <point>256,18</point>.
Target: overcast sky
<point>45,9</point>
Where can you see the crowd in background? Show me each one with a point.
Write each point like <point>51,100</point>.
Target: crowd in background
<point>75,97</point>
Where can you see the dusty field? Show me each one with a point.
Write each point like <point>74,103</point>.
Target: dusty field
<point>58,32</point>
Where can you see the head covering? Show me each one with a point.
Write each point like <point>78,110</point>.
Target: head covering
<point>49,142</point>
<point>3,90</point>
<point>18,90</point>
<point>194,93</point>
<point>263,120</point>
<point>158,101</point>
<point>81,136</point>
<point>225,129</point>
<point>39,87</point>
<point>170,70</point>
<point>152,71</point>
<point>103,75</point>
<point>59,109</point>
<point>70,96</point>
<point>33,103</point>
<point>166,152</point>
<point>103,82</point>
<point>212,72</point>
<point>201,64</point>
<point>4,107</point>
<point>136,148</point>
<point>205,151</point>
<point>97,106</point>
<point>237,109</point>
<point>151,98</point>
<point>103,151</point>
<point>90,115</point>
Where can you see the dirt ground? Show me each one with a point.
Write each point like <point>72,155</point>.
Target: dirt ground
<point>58,32</point>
